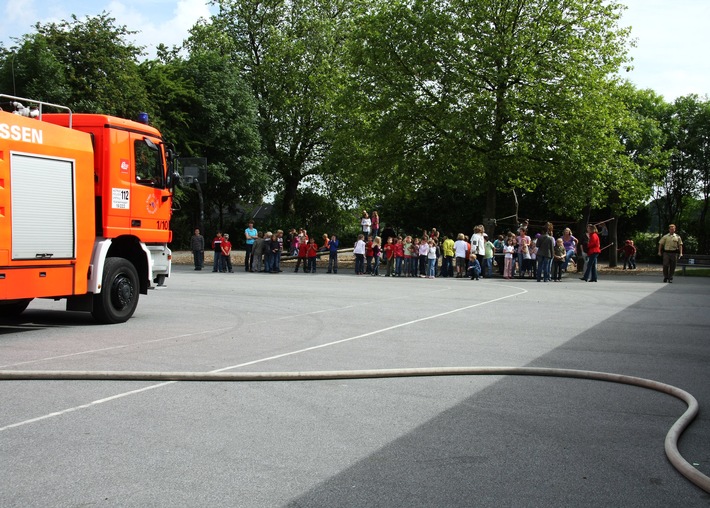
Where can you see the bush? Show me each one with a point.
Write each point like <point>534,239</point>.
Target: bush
<point>646,247</point>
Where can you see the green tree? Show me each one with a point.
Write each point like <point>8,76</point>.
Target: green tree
<point>100,64</point>
<point>642,160</point>
<point>208,109</point>
<point>172,96</point>
<point>288,53</point>
<point>492,94</point>
<point>688,178</point>
<point>31,70</point>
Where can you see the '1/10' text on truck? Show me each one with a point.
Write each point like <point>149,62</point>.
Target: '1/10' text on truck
<point>85,207</point>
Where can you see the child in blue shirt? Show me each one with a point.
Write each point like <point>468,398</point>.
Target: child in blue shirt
<point>333,255</point>
<point>474,267</point>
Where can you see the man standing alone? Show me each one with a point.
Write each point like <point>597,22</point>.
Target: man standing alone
<point>671,248</point>
<point>250,234</point>
<point>197,245</point>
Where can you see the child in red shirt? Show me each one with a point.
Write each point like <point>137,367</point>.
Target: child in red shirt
<point>389,254</point>
<point>398,256</point>
<point>302,256</point>
<point>312,253</point>
<point>369,254</point>
<point>226,259</point>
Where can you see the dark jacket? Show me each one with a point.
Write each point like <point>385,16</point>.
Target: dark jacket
<point>197,242</point>
<point>545,246</point>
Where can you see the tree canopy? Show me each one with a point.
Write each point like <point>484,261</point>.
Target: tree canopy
<point>368,102</point>
<point>494,95</point>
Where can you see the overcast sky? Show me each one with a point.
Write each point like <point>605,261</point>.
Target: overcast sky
<point>671,56</point>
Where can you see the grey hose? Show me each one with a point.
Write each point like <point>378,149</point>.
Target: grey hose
<point>670,445</point>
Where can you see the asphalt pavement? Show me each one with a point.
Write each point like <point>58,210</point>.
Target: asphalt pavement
<point>454,441</point>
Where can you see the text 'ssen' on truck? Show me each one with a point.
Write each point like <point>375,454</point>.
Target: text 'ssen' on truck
<point>85,207</point>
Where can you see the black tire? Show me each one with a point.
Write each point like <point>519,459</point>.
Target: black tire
<point>119,292</point>
<point>14,309</point>
<point>160,279</point>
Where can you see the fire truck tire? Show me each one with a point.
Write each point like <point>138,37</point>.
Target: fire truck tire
<point>119,294</point>
<point>14,309</point>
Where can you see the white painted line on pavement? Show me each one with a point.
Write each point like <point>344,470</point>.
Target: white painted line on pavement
<point>122,346</point>
<point>368,334</point>
<point>262,360</point>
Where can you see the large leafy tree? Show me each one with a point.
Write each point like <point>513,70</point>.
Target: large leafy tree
<point>491,94</point>
<point>288,53</point>
<point>207,110</point>
<point>31,70</point>
<point>225,130</point>
<point>97,66</point>
<point>688,177</point>
<point>642,159</point>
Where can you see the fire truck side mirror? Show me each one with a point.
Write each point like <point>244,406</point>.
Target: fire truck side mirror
<point>173,176</point>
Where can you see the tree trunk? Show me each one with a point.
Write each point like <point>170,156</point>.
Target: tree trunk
<point>614,201</point>
<point>490,215</point>
<point>704,246</point>
<point>201,220</point>
<point>290,191</point>
<point>613,244</point>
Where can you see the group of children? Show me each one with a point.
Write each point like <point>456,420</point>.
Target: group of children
<point>266,252</point>
<point>524,250</point>
<point>308,251</point>
<point>411,256</point>
<point>629,253</point>
<point>269,247</point>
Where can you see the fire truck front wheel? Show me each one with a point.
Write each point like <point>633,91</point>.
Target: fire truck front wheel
<point>119,293</point>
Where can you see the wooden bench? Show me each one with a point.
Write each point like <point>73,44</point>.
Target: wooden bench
<point>694,261</point>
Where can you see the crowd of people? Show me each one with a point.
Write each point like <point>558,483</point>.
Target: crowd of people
<point>431,255</point>
<point>264,250</point>
<point>514,254</point>
<point>381,251</point>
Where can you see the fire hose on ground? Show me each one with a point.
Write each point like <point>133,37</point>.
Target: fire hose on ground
<point>671,440</point>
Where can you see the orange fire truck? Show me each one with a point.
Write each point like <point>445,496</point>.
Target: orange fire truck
<point>85,207</point>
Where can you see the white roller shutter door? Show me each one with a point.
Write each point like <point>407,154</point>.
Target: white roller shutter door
<point>42,207</point>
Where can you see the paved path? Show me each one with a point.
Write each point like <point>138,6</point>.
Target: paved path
<point>452,441</point>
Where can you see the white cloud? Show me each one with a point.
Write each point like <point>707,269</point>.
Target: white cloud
<point>159,22</point>
<point>670,57</point>
<point>156,21</point>
<point>17,18</point>
<point>672,39</point>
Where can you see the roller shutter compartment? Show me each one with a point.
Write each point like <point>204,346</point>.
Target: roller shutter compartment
<point>43,218</point>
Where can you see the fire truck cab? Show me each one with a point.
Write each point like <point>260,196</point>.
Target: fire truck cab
<point>85,208</point>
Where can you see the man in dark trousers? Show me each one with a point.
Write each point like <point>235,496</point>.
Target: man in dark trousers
<point>671,248</point>
<point>545,252</point>
<point>197,245</point>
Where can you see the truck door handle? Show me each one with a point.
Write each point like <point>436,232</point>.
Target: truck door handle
<point>135,223</point>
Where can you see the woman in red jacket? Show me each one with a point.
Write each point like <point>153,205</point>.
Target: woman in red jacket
<point>593,251</point>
